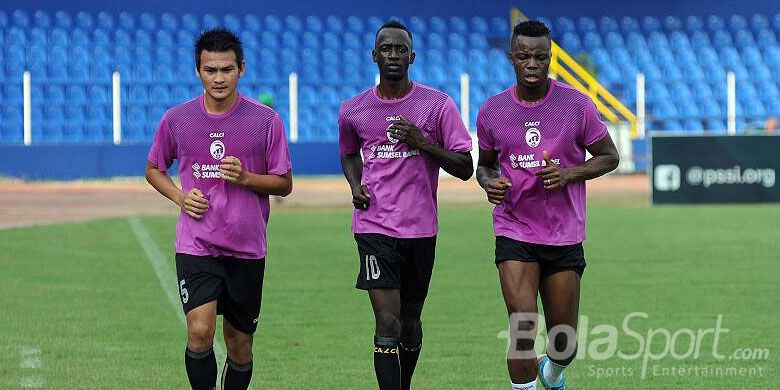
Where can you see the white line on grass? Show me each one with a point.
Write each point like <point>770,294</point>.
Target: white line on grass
<point>166,276</point>
<point>30,362</point>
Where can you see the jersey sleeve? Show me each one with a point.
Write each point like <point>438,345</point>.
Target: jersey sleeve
<point>485,136</point>
<point>349,141</point>
<point>278,154</point>
<point>593,128</point>
<point>163,150</point>
<point>453,134</point>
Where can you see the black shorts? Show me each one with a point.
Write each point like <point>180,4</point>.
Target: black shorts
<point>404,264</point>
<point>551,258</point>
<point>236,285</point>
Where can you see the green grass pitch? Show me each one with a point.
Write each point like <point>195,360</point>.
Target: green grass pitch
<point>81,306</point>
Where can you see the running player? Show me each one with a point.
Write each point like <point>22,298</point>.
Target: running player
<point>532,142</point>
<point>406,132</point>
<point>232,155</point>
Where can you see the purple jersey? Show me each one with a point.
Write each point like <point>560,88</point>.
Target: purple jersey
<point>563,123</point>
<point>235,222</point>
<point>401,180</point>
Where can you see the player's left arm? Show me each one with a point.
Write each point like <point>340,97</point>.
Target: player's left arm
<point>605,159</point>
<point>232,171</point>
<point>458,164</point>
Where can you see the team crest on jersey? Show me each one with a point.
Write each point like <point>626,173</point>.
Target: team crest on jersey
<point>217,150</point>
<point>390,137</point>
<point>533,137</point>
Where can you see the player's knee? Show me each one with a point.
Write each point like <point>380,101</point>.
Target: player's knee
<point>200,336</point>
<point>564,348</point>
<point>388,324</point>
<point>411,333</point>
<point>239,347</point>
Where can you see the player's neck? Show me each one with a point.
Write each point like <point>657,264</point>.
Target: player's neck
<point>530,95</point>
<point>216,107</point>
<point>393,89</point>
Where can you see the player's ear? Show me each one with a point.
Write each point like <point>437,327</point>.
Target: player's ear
<point>241,69</point>
<point>373,56</point>
<point>412,57</point>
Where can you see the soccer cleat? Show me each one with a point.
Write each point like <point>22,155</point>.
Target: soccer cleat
<point>541,361</point>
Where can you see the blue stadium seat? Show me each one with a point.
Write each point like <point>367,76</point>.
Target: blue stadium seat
<point>714,124</point>
<point>679,40</point>
<point>586,25</point>
<point>766,38</point>
<point>754,108</point>
<point>565,25</point>
<point>499,27</point>
<point>105,21</point>
<point>79,37</point>
<point>126,21</point>
<point>458,25</point>
<point>272,23</point>
<point>672,125</point>
<point>16,36</point>
<point>122,38</point>
<point>63,20</point>
<point>636,41</point>
<point>97,127</point>
<point>20,19</point>
<point>185,38</point>
<point>164,39</point>
<point>53,123</point>
<point>101,38</point>
<point>135,123</point>
<point>41,19</point>
<point>232,23</point>
<point>314,24</point>
<point>12,126</point>
<point>190,23</point>
<point>436,24</point>
<point>310,40</point>
<point>169,22</point>
<point>435,41</point>
<point>672,23</point>
<point>699,39</point>
<point>289,40</point>
<point>592,41</point>
<point>744,38</point>
<point>334,25</point>
<point>210,21</point>
<point>249,40</point>
<point>142,38</point>
<point>737,22</point>
<point>629,25</point>
<point>84,21</point>
<point>456,41</point>
<point>477,41</point>
<point>38,36</point>
<point>571,42</point>
<point>252,23</point>
<point>759,22</point>
<point>479,25</point>
<point>331,40</point>
<point>351,41</point>
<point>354,24</point>
<point>692,124</point>
<point>608,24</point>
<point>715,23</point>
<point>721,38</point>
<point>614,39</point>
<point>73,129</point>
<point>37,63</point>
<point>710,109</point>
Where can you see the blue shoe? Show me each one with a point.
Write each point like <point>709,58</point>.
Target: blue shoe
<point>541,361</point>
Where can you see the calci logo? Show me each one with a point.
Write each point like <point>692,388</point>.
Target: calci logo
<point>217,149</point>
<point>393,119</point>
<point>532,135</point>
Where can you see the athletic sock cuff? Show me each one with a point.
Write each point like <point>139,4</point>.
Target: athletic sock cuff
<point>239,367</point>
<point>384,341</point>
<point>200,355</point>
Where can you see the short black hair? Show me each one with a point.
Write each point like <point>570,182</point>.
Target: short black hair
<point>394,23</point>
<point>530,28</point>
<point>218,40</point>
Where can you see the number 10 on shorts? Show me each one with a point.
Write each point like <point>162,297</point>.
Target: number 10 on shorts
<point>372,268</point>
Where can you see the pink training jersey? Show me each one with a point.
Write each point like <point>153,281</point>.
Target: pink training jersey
<point>235,222</point>
<point>401,180</point>
<point>563,123</point>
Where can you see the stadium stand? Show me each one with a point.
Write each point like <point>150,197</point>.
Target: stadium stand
<point>71,57</point>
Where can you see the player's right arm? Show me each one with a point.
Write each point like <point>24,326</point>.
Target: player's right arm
<point>193,202</point>
<point>352,166</point>
<point>489,178</point>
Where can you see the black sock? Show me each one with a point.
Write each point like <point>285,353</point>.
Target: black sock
<point>386,364</point>
<point>408,353</point>
<point>201,369</point>
<point>236,376</point>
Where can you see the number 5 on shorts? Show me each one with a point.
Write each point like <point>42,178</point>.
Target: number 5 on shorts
<point>372,268</point>
<point>185,296</point>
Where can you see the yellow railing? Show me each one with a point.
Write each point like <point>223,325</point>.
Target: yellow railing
<point>565,67</point>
